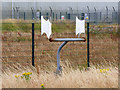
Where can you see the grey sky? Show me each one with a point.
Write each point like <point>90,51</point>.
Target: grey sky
<point>62,5</point>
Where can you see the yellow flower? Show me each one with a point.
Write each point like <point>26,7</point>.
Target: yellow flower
<point>16,76</point>
<point>29,73</point>
<point>24,73</point>
<point>42,85</point>
<point>100,70</point>
<point>104,70</point>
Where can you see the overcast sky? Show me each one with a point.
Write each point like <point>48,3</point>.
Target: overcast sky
<point>61,5</point>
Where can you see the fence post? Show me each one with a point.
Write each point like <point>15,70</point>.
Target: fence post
<point>56,16</point>
<point>24,15</point>
<point>60,15</point>
<point>53,16</point>
<point>88,52</point>
<point>33,44</point>
<point>40,16</point>
<point>66,15</point>
<point>94,17</point>
<point>82,16</point>
<point>100,16</point>
<point>89,16</point>
<point>47,15</point>
<point>32,15</point>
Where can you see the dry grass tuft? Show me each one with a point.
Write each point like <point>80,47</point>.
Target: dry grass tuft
<point>70,78</point>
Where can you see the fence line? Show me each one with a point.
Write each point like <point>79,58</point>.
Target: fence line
<point>101,46</point>
<point>94,17</point>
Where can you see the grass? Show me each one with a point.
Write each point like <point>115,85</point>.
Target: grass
<point>57,26</point>
<point>17,48</point>
<point>26,26</point>
<point>70,77</point>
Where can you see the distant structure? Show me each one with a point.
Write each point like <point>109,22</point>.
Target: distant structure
<point>58,10</point>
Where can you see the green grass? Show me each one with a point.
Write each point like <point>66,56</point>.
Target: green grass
<point>57,27</point>
<point>28,27</point>
<point>10,27</point>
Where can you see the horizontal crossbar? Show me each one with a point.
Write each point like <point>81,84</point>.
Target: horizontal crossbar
<point>66,39</point>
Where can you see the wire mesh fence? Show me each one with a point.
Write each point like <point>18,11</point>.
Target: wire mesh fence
<point>94,16</point>
<point>17,43</point>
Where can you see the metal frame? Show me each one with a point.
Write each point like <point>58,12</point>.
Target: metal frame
<point>59,68</point>
<point>65,41</point>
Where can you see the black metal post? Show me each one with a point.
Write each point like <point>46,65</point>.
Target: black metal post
<point>82,16</point>
<point>89,16</point>
<point>53,16</point>
<point>60,15</point>
<point>47,15</point>
<point>69,16</point>
<point>32,15</point>
<point>66,15</point>
<point>95,15</point>
<point>88,52</point>
<point>40,15</point>
<point>114,14</point>
<point>100,16</point>
<point>33,44</point>
<point>24,15</point>
<point>32,9</point>
<point>112,17</point>
<point>13,13</point>
<point>17,9</point>
<point>51,13</point>
<point>56,16</point>
<point>106,14</point>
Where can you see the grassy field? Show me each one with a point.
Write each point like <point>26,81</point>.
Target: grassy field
<point>16,48</point>
<point>70,78</point>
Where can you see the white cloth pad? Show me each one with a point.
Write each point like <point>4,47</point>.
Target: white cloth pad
<point>45,27</point>
<point>80,26</point>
